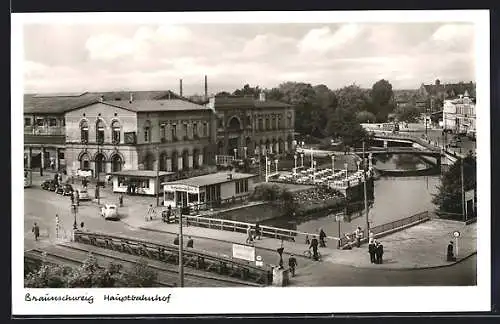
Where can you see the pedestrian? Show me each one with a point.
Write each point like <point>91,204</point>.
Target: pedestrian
<point>371,250</point>
<point>257,231</point>
<point>322,237</point>
<point>82,226</point>
<point>314,246</point>
<point>449,255</point>
<point>72,199</point>
<point>249,235</point>
<point>176,240</point>
<point>292,263</point>
<point>379,252</point>
<point>190,242</point>
<point>169,213</point>
<point>36,231</point>
<point>148,213</point>
<point>77,198</point>
<point>308,242</point>
<point>120,200</point>
<point>348,239</point>
<point>358,234</point>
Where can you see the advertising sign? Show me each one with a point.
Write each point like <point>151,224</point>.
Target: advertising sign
<point>181,187</point>
<point>244,252</point>
<point>469,195</point>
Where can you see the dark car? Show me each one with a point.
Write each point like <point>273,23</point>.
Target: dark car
<point>49,185</point>
<point>59,190</point>
<point>68,190</point>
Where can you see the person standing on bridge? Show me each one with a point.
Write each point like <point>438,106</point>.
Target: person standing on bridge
<point>249,235</point>
<point>176,240</point>
<point>358,233</point>
<point>257,231</point>
<point>314,246</point>
<point>292,263</point>
<point>36,231</point>
<point>322,237</point>
<point>190,242</point>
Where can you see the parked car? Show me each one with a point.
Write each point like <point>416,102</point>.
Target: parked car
<point>471,134</point>
<point>59,190</point>
<point>49,185</point>
<point>67,190</point>
<point>109,211</point>
<point>83,194</point>
<point>456,141</point>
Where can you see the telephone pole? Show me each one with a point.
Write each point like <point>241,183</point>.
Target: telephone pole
<point>364,191</point>
<point>158,175</point>
<point>463,188</point>
<point>181,264</point>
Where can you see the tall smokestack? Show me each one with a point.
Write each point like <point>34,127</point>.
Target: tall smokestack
<point>180,86</point>
<point>206,87</point>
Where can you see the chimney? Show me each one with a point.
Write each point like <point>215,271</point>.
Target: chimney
<point>206,88</point>
<point>180,85</point>
<point>131,98</point>
<point>262,96</point>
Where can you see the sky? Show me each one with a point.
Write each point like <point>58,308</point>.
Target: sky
<point>96,57</point>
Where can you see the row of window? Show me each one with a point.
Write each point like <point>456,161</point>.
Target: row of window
<point>241,186</point>
<point>52,122</point>
<point>264,123</point>
<point>173,132</point>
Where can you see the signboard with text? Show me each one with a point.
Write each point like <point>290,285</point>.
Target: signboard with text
<point>181,187</point>
<point>244,252</point>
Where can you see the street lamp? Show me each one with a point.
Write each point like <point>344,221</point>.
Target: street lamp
<point>181,263</point>
<point>314,172</point>
<point>333,164</point>
<point>312,159</point>
<point>157,175</point>
<point>302,159</point>
<point>75,224</point>
<point>345,167</point>
<point>295,163</point>
<point>358,163</point>
<point>235,151</point>
<point>268,165</point>
<point>245,151</point>
<point>365,194</point>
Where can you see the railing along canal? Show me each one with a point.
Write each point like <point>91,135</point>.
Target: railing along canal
<point>169,253</point>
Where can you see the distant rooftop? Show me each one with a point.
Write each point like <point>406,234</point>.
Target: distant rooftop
<point>157,105</point>
<point>213,178</point>
<point>246,101</point>
<point>141,173</point>
<point>67,94</point>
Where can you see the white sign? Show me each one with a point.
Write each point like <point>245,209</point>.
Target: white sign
<point>82,173</point>
<point>456,234</point>
<point>179,187</point>
<point>469,195</point>
<point>259,262</point>
<point>244,252</point>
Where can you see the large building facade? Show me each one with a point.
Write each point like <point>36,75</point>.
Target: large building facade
<point>113,131</point>
<point>459,115</point>
<point>247,126</point>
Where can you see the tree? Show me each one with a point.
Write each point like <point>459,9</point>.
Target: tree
<point>407,113</point>
<point>48,276</point>
<point>449,196</point>
<point>381,99</point>
<point>343,124</point>
<point>247,90</point>
<point>91,275</point>
<point>223,94</point>
<point>353,98</point>
<point>365,117</point>
<point>141,275</point>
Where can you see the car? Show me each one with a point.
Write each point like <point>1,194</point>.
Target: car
<point>109,211</point>
<point>83,194</point>
<point>455,141</point>
<point>67,190</point>
<point>59,189</point>
<point>50,185</point>
<point>46,184</point>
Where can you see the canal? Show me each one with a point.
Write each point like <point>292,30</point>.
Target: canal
<point>394,198</point>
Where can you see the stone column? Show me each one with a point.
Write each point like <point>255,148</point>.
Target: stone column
<point>277,147</point>
<point>169,164</point>
<point>286,146</point>
<point>263,148</point>
<point>179,163</point>
<point>385,144</point>
<point>270,148</point>
<point>29,157</point>
<point>42,157</point>
<point>57,159</point>
<point>200,159</point>
<point>190,161</point>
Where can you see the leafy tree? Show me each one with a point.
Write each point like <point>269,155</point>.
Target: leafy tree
<point>141,275</point>
<point>247,90</point>
<point>381,99</point>
<point>343,124</point>
<point>449,196</point>
<point>353,98</point>
<point>365,117</point>
<point>48,276</point>
<point>407,113</point>
<point>223,94</point>
<point>90,275</point>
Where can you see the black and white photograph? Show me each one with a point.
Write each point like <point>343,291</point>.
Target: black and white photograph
<point>322,156</point>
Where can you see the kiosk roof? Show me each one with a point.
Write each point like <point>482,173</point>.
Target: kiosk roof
<point>141,173</point>
<point>213,178</point>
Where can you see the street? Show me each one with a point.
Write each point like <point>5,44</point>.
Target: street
<point>436,135</point>
<point>42,206</point>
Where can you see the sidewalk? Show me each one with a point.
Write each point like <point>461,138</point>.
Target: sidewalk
<point>421,246</point>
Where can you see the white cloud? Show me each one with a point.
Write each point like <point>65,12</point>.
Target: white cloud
<point>453,32</point>
<point>323,40</point>
<point>109,46</point>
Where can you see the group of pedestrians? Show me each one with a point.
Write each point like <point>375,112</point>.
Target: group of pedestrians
<point>189,244</point>
<point>376,251</point>
<point>253,234</point>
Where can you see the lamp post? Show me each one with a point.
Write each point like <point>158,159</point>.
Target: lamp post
<point>345,167</point>
<point>364,192</point>
<point>358,163</point>
<point>314,172</point>
<point>157,175</point>
<point>312,159</point>
<point>181,264</point>
<point>235,151</point>
<point>268,164</point>
<point>463,188</point>
<point>245,151</point>
<point>302,159</point>
<point>295,163</point>
<point>333,164</point>
<point>75,224</point>
<point>98,191</point>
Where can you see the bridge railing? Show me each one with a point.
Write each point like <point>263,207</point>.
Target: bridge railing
<point>241,227</point>
<point>380,229</point>
<point>198,259</point>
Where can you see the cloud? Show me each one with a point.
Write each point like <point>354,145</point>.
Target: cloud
<point>323,40</point>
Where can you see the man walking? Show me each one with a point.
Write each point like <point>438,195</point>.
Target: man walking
<point>449,255</point>
<point>314,246</point>
<point>322,237</point>
<point>190,242</point>
<point>371,250</point>
<point>358,233</point>
<point>292,263</point>
<point>149,213</point>
<point>36,231</point>
<point>249,235</point>
<point>176,240</point>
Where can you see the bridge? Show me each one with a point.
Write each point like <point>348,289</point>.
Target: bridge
<point>400,150</point>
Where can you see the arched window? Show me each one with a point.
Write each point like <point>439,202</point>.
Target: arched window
<point>100,163</point>
<point>99,134</point>
<point>147,131</point>
<point>84,131</point>
<point>116,163</point>
<point>84,162</point>
<point>115,132</point>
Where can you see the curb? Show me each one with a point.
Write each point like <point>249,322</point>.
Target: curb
<point>416,268</point>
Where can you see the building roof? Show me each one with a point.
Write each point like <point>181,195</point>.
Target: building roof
<point>141,173</point>
<point>247,102</point>
<point>157,105</point>
<point>213,178</point>
<point>56,104</point>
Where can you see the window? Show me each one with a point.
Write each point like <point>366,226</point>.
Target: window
<point>267,123</point>
<point>205,129</point>
<point>174,132</point>
<point>99,135</point>
<point>245,182</point>
<point>84,131</point>
<point>195,130</point>
<point>241,186</point>
<point>279,122</point>
<point>273,122</point>
<point>289,122</point>
<point>169,195</point>
<point>39,122</point>
<point>237,183</point>
<point>162,132</point>
<point>185,130</point>
<point>146,134</point>
<point>61,155</point>
<point>27,121</point>
<point>260,125</point>
<point>115,132</point>
<point>52,122</point>
<point>193,198</point>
